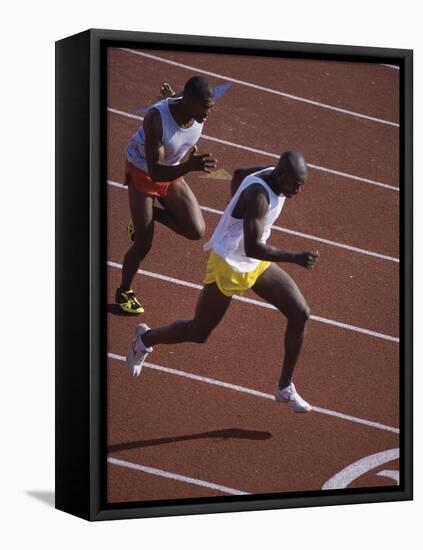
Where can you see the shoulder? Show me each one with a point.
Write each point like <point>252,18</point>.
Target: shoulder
<point>153,121</point>
<point>256,200</point>
<point>152,115</point>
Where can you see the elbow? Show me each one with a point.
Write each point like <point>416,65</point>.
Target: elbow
<point>155,169</point>
<point>253,250</point>
<point>153,172</point>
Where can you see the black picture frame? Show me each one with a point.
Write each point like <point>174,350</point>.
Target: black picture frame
<point>81,282</point>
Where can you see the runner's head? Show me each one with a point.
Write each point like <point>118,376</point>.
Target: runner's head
<point>290,172</point>
<point>198,98</point>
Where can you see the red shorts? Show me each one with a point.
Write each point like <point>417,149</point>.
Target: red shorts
<point>143,183</point>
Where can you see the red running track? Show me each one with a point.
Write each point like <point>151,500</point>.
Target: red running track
<point>178,431</point>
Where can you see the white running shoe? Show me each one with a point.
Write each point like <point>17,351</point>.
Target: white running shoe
<point>137,353</point>
<point>295,401</point>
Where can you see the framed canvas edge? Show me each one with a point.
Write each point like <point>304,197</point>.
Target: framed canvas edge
<point>98,510</point>
<point>319,49</point>
<point>406,272</point>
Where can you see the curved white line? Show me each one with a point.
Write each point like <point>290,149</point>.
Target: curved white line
<point>391,474</point>
<point>346,476</point>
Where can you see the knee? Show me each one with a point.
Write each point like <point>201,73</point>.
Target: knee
<point>201,338</point>
<point>300,315</point>
<point>196,232</point>
<point>200,335</point>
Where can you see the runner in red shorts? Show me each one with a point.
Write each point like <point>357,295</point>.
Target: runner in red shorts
<point>155,170</point>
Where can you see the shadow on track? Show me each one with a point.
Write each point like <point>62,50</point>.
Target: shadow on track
<point>229,433</point>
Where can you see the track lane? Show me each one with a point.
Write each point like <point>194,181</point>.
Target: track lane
<point>330,139</point>
<point>369,89</point>
<point>327,207</point>
<point>330,372</point>
<point>252,433</point>
<point>129,485</point>
<point>351,373</point>
<point>364,285</point>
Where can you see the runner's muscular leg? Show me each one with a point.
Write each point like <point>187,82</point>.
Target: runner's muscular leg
<point>280,290</point>
<point>141,207</point>
<point>182,212</point>
<point>210,310</point>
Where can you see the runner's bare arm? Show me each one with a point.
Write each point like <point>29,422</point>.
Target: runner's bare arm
<point>153,146</point>
<point>256,202</point>
<point>240,174</point>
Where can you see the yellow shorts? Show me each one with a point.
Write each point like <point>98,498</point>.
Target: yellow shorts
<point>228,281</point>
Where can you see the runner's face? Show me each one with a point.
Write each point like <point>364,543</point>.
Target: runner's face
<point>289,183</point>
<point>200,108</point>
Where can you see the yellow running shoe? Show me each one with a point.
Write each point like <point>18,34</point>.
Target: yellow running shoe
<point>128,301</point>
<point>131,231</point>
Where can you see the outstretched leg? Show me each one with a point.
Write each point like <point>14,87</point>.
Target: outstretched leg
<point>279,289</point>
<point>210,310</point>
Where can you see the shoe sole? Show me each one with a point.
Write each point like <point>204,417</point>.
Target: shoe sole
<point>129,310</point>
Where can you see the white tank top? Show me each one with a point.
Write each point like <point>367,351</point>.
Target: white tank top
<point>176,140</point>
<point>228,237</point>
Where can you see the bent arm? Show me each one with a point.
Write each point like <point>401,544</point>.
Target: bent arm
<point>257,204</point>
<point>153,148</point>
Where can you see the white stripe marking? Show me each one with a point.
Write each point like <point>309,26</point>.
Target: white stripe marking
<point>390,474</point>
<point>125,114</point>
<point>256,393</point>
<point>263,88</point>
<point>262,304</point>
<point>396,67</point>
<point>176,477</point>
<point>291,232</point>
<point>343,478</point>
<point>357,420</point>
<point>272,155</point>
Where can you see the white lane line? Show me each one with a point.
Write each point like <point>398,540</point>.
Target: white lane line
<point>261,304</point>
<point>256,393</point>
<point>264,89</point>
<point>357,420</point>
<point>271,155</point>
<point>292,232</point>
<point>343,478</point>
<point>125,114</point>
<point>396,67</point>
<point>312,166</point>
<point>176,477</point>
<point>390,474</point>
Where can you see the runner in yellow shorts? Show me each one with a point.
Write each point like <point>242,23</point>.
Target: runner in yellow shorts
<point>228,281</point>
<point>240,258</point>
